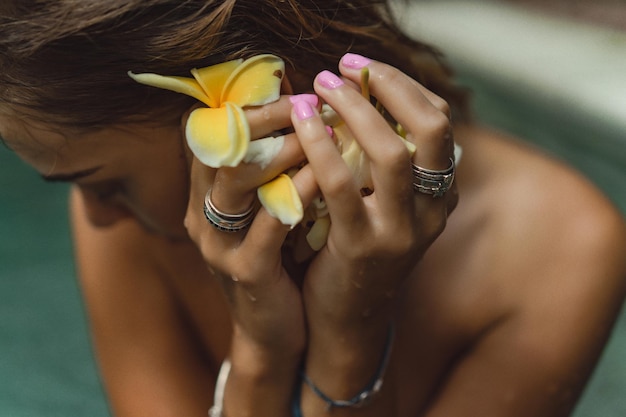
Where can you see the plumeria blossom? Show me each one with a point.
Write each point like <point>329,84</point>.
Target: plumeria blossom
<point>219,134</point>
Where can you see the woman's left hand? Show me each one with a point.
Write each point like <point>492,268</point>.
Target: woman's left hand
<point>375,240</point>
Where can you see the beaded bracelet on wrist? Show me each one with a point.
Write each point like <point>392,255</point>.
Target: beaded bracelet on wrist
<point>360,399</point>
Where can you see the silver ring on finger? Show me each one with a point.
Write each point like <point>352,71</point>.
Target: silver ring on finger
<point>433,182</point>
<point>227,222</point>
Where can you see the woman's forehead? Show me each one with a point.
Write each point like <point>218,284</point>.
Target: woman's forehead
<point>23,135</point>
<point>52,150</point>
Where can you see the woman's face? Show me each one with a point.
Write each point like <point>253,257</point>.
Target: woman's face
<point>137,170</point>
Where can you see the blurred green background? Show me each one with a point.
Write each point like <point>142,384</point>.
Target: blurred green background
<point>46,364</point>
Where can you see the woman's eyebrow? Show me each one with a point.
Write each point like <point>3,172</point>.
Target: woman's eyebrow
<point>72,176</point>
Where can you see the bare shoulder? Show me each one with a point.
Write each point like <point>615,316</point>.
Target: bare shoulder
<point>528,233</point>
<point>540,207</point>
<point>544,222</point>
<point>531,269</point>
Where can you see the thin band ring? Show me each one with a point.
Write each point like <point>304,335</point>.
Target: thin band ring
<point>433,182</point>
<point>227,222</point>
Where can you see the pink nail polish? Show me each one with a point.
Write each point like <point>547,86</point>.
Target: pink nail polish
<point>329,130</point>
<point>303,109</point>
<point>329,80</point>
<point>312,99</point>
<point>355,61</point>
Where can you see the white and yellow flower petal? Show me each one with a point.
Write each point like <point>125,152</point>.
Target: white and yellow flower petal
<point>281,200</point>
<point>330,117</point>
<point>255,82</point>
<point>358,163</point>
<point>213,79</point>
<point>263,151</point>
<point>218,137</point>
<point>183,85</point>
<point>318,235</point>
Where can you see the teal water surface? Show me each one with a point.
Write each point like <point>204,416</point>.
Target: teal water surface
<point>46,364</point>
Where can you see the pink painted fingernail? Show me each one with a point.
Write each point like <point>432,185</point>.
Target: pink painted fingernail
<point>312,99</point>
<point>355,61</point>
<point>329,130</point>
<point>329,80</point>
<point>303,109</point>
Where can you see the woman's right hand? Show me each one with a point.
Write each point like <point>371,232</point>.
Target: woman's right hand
<point>265,304</point>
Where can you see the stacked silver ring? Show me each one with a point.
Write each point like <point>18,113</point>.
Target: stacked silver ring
<point>433,182</point>
<point>224,221</point>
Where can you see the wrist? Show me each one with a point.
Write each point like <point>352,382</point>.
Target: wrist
<point>344,389</point>
<point>352,363</point>
<point>260,361</point>
<point>346,304</point>
<point>260,381</point>
<point>348,322</point>
<point>246,396</point>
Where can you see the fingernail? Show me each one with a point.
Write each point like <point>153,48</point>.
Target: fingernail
<point>329,80</point>
<point>355,61</point>
<point>312,99</point>
<point>303,109</point>
<point>329,130</point>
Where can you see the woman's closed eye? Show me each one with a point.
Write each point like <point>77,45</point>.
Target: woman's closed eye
<point>103,191</point>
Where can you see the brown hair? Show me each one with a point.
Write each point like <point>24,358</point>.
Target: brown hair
<point>68,60</point>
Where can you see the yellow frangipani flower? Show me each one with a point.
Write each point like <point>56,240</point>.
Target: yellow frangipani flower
<point>219,135</point>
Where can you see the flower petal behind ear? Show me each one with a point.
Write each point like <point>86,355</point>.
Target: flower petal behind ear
<point>281,200</point>
<point>255,82</point>
<point>218,137</point>
<point>213,79</point>
<point>183,85</point>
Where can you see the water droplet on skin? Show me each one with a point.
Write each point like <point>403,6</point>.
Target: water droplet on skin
<point>234,278</point>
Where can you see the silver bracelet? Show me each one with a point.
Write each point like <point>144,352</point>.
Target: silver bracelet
<point>363,397</point>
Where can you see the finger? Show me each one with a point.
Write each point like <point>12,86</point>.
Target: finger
<point>234,188</point>
<point>267,234</point>
<point>388,155</point>
<point>209,240</point>
<point>264,120</point>
<point>335,179</point>
<point>426,118</point>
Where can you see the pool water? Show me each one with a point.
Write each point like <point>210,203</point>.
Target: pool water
<point>46,363</point>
